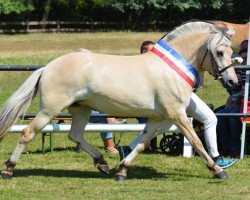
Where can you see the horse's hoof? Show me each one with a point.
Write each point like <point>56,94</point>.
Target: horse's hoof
<point>120,177</point>
<point>221,175</point>
<point>6,175</point>
<point>103,168</point>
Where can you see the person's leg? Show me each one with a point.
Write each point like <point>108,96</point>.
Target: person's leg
<point>108,142</point>
<point>224,132</point>
<point>235,126</point>
<point>107,137</point>
<point>202,113</point>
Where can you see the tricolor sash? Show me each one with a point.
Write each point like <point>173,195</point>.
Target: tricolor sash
<point>174,60</point>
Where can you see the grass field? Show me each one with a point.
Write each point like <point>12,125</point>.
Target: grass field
<point>67,174</point>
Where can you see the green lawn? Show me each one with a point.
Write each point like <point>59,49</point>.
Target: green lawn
<point>67,174</point>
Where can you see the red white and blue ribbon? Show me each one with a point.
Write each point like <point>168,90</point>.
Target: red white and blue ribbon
<point>174,60</point>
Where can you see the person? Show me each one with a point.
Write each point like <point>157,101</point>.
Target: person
<point>107,137</point>
<point>228,128</point>
<point>146,46</point>
<point>202,113</point>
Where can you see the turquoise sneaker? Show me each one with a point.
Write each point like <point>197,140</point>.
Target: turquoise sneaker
<point>224,163</point>
<point>124,151</point>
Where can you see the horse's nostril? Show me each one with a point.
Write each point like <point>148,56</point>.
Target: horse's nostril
<point>230,83</point>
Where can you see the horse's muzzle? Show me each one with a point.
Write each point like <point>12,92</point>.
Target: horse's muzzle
<point>229,83</point>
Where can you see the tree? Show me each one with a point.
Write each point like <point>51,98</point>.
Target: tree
<point>135,12</point>
<point>135,9</point>
<point>15,6</point>
<point>42,9</point>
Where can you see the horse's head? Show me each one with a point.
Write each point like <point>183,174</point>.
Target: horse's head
<point>218,56</point>
<point>212,45</point>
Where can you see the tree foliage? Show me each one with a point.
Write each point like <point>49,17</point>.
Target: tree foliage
<point>134,11</point>
<point>15,6</point>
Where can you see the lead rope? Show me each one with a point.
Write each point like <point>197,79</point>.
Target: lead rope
<point>121,134</point>
<point>118,142</point>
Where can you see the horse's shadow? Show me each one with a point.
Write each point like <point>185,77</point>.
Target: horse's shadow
<point>58,149</point>
<point>61,173</point>
<point>135,172</point>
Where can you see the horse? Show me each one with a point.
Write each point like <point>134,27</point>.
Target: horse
<point>241,32</point>
<point>156,85</point>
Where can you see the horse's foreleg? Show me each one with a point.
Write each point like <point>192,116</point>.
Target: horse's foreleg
<point>147,134</point>
<point>80,118</point>
<point>28,134</point>
<point>187,130</point>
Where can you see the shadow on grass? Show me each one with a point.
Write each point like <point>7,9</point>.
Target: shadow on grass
<point>61,173</point>
<point>135,172</point>
<point>59,149</point>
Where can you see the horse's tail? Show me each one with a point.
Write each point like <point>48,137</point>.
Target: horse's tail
<point>19,102</point>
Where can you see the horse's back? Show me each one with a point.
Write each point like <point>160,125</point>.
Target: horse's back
<point>79,67</point>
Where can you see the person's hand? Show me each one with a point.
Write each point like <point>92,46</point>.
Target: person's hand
<point>237,60</point>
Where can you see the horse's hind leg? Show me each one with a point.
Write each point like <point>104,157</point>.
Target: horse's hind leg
<point>80,118</point>
<point>28,133</point>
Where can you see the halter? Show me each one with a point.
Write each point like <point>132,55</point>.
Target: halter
<point>217,69</point>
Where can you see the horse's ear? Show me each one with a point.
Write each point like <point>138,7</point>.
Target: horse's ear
<point>213,29</point>
<point>230,32</point>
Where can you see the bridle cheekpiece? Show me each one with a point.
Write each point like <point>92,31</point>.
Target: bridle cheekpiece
<point>217,69</point>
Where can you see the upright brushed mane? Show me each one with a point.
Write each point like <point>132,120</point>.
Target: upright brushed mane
<point>218,35</point>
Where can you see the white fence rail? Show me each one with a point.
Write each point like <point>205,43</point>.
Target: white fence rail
<point>93,128</point>
<point>64,128</point>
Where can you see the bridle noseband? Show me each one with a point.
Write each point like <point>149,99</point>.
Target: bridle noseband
<point>217,69</point>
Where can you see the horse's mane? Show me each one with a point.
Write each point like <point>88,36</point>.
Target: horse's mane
<point>218,34</point>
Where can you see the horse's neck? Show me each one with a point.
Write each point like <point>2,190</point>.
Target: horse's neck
<point>192,47</point>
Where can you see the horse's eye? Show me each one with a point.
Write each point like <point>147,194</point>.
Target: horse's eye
<point>219,53</point>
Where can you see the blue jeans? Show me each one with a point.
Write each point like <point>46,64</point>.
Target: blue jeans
<point>228,132</point>
<point>142,120</point>
<point>101,120</point>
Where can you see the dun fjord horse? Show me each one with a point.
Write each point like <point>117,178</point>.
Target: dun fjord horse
<point>156,85</point>
<point>241,32</point>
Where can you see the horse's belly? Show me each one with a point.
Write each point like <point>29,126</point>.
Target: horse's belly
<point>123,107</point>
